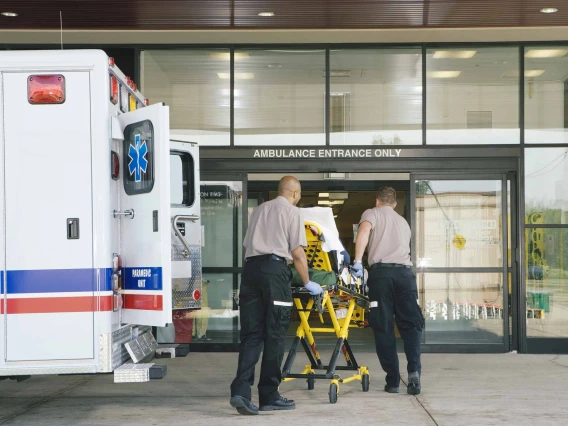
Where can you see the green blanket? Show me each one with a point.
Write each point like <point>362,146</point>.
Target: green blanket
<point>320,277</point>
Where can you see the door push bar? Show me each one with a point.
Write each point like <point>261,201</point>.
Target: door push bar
<point>191,218</point>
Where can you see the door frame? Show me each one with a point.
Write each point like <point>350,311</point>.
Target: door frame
<point>506,345</point>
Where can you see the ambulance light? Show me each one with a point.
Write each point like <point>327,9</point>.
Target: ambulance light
<point>113,89</point>
<point>46,89</point>
<point>111,62</point>
<point>147,101</point>
<point>134,86</point>
<point>115,165</point>
<point>196,295</point>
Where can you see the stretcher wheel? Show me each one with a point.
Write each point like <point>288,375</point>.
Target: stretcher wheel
<point>365,383</point>
<point>311,382</point>
<point>333,393</point>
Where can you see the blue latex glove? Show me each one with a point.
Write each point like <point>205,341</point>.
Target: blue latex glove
<point>314,288</point>
<point>357,269</point>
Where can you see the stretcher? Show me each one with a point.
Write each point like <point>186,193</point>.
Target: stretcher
<point>345,304</point>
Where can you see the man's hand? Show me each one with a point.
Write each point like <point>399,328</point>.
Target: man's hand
<point>314,288</point>
<point>357,269</point>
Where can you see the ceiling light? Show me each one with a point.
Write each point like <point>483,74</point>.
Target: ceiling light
<point>330,203</point>
<point>444,74</point>
<point>549,10</point>
<point>266,14</point>
<point>546,53</point>
<point>454,54</point>
<point>9,14</point>
<point>274,66</point>
<point>227,55</point>
<point>339,196</point>
<point>324,194</point>
<point>528,73</point>
<point>238,75</point>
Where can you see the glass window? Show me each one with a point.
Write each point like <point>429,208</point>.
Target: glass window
<point>138,158</point>
<point>472,96</point>
<point>546,182</point>
<point>182,188</point>
<point>279,97</point>
<point>376,97</point>
<point>462,308</point>
<point>546,260</point>
<point>545,100</point>
<point>458,224</point>
<point>189,82</point>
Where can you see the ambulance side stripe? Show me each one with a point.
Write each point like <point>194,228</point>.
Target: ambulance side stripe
<point>58,280</point>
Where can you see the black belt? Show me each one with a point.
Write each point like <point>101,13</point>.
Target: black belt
<point>389,265</point>
<point>267,257</point>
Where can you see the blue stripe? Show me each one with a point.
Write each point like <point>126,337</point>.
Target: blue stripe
<point>142,278</point>
<point>58,280</point>
<point>1,282</point>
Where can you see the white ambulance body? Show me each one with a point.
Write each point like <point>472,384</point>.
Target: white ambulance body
<point>85,188</point>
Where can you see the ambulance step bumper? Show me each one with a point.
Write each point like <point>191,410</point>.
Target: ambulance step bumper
<point>137,373</point>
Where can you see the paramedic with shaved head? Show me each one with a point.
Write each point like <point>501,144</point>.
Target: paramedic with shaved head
<point>392,288</point>
<point>275,236</point>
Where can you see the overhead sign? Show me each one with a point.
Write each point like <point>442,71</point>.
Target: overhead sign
<point>327,153</point>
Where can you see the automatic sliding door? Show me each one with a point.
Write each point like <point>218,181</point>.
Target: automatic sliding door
<point>461,259</point>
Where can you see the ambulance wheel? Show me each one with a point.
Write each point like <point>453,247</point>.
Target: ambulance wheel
<point>311,382</point>
<point>365,383</point>
<point>333,393</point>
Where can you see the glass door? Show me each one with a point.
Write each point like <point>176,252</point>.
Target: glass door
<point>216,325</point>
<point>460,252</point>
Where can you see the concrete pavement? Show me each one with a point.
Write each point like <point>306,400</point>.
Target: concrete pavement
<point>457,390</point>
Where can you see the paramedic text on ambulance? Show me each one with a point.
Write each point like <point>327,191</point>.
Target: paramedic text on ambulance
<point>275,236</point>
<point>392,288</point>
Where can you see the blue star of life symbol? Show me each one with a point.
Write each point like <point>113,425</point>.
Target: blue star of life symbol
<point>138,162</point>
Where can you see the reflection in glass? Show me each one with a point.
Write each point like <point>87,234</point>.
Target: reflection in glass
<point>458,224</point>
<point>473,96</point>
<point>546,259</point>
<point>220,206</point>
<point>188,82</point>
<point>545,100</point>
<point>376,97</point>
<point>214,323</point>
<point>546,186</point>
<point>279,97</point>
<point>462,308</point>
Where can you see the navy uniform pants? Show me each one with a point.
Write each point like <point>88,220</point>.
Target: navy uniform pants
<point>394,297</point>
<point>265,303</point>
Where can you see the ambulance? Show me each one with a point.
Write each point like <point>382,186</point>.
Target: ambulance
<point>100,234</point>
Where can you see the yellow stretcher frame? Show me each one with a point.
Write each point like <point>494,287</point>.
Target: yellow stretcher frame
<point>306,305</point>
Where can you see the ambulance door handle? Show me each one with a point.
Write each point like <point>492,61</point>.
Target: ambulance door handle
<point>117,213</point>
<point>178,234</point>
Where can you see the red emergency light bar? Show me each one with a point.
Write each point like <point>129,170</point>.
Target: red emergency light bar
<point>113,89</point>
<point>46,89</point>
<point>111,62</point>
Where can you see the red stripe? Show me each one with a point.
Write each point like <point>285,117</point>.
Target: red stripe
<point>145,302</point>
<point>49,305</point>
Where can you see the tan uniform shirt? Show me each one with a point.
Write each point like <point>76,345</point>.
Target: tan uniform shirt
<point>389,241</point>
<point>275,227</point>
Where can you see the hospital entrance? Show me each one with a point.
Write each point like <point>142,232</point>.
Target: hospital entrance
<point>460,250</point>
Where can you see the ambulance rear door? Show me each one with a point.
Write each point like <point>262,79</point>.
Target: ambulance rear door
<point>186,225</point>
<point>145,239</point>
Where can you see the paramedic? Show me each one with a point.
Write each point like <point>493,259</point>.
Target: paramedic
<point>275,236</point>
<point>392,288</point>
